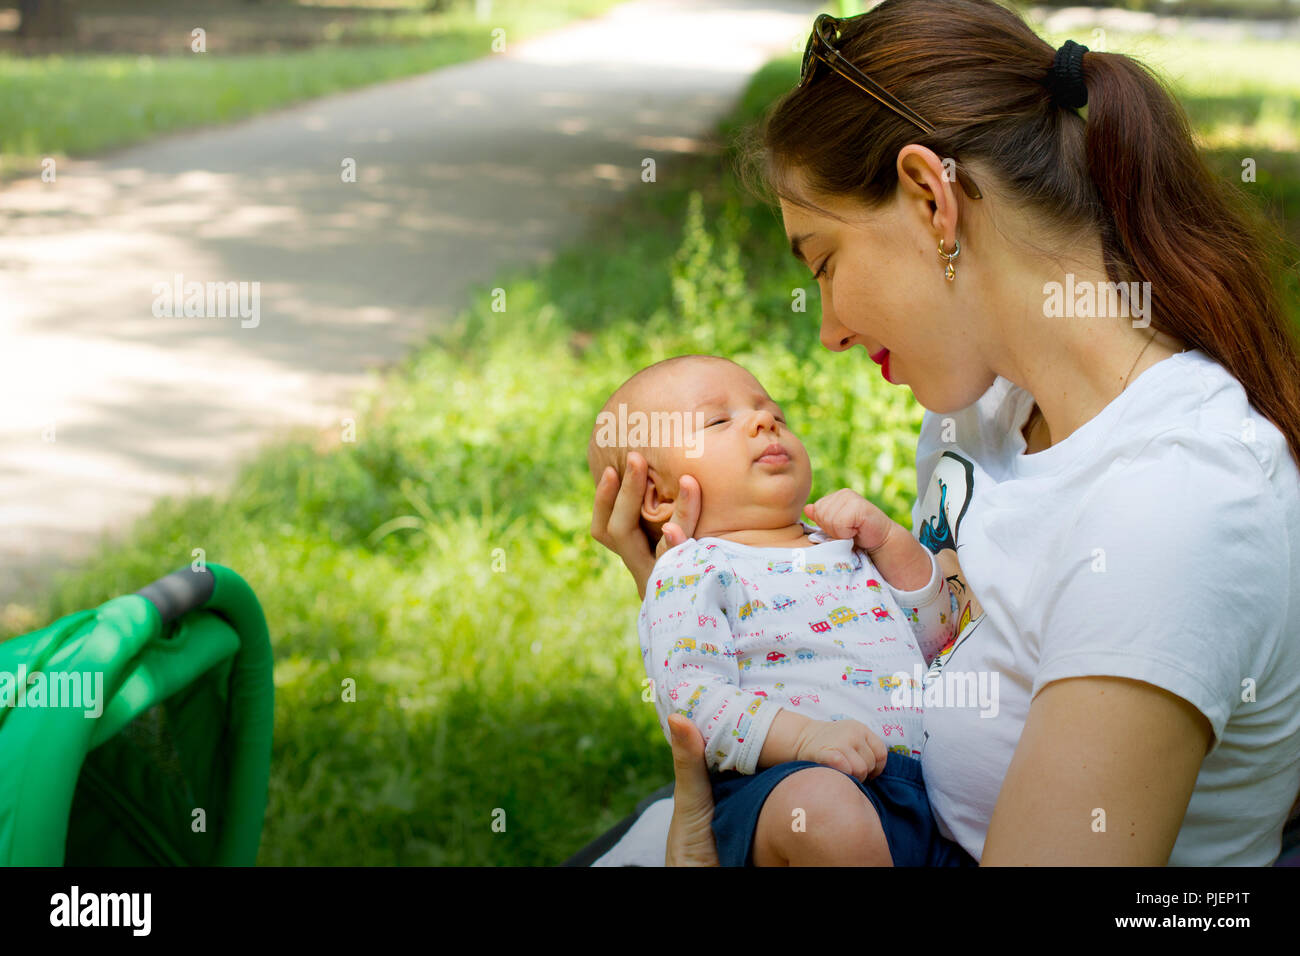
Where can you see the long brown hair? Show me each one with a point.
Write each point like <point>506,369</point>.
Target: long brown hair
<point>977,72</point>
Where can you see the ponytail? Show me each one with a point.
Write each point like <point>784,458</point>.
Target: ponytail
<point>1170,222</point>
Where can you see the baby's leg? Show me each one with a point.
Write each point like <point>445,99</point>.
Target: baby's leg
<point>838,826</point>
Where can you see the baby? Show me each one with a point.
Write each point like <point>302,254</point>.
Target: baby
<point>781,642</point>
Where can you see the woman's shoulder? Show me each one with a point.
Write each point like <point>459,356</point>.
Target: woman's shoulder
<point>1188,408</point>
<point>1189,448</point>
<point>1195,432</point>
<point>1198,508</point>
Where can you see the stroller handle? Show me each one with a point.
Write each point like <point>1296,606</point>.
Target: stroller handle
<point>179,592</point>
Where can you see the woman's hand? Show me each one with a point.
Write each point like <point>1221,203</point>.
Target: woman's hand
<point>615,521</point>
<point>690,835</point>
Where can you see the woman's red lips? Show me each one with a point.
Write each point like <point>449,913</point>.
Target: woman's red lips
<point>879,357</point>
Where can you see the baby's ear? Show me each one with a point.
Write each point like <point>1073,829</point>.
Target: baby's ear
<point>656,507</point>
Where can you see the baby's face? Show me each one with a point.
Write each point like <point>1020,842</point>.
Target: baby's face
<point>745,482</point>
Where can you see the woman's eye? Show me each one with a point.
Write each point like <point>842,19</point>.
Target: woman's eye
<point>822,271</point>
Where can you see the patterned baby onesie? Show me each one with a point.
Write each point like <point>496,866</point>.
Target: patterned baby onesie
<point>730,634</point>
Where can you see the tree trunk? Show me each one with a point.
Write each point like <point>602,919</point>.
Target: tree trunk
<point>46,18</point>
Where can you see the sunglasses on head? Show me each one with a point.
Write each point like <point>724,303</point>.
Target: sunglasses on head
<point>820,50</point>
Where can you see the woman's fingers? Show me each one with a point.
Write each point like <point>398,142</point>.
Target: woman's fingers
<point>618,504</point>
<point>690,835</point>
<point>624,521</point>
<point>606,492</point>
<point>615,518</point>
<point>671,538</point>
<point>686,510</point>
<point>685,516</point>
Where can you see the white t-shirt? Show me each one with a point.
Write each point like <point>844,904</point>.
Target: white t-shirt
<point>1154,543</point>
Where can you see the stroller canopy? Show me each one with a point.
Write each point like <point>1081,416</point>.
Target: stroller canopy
<point>139,732</point>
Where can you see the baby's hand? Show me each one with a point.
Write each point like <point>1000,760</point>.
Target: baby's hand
<point>904,561</point>
<point>846,745</point>
<point>846,514</point>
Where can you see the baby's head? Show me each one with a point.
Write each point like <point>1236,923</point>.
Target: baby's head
<point>707,417</point>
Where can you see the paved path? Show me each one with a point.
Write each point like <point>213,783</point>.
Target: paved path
<point>459,173</point>
<point>1217,29</point>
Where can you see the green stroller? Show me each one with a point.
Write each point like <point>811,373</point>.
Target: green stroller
<point>138,733</point>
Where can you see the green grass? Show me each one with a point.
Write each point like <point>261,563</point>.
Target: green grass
<point>443,561</point>
<point>73,105</point>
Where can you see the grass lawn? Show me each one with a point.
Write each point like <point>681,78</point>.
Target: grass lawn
<point>73,104</point>
<point>443,561</point>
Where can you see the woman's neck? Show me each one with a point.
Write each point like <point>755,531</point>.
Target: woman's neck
<point>1074,366</point>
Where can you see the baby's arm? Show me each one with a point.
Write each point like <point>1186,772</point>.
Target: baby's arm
<point>782,743</point>
<point>690,655</point>
<point>931,611</point>
<point>911,571</point>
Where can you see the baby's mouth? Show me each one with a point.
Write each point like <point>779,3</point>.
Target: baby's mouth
<point>774,454</point>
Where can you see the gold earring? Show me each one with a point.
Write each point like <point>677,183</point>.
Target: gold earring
<point>950,273</point>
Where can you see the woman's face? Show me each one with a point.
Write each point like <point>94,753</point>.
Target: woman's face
<point>883,287</point>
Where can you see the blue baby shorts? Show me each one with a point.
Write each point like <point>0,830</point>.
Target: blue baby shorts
<point>897,793</point>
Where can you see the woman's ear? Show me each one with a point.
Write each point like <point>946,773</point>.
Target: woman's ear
<point>657,505</point>
<point>923,176</point>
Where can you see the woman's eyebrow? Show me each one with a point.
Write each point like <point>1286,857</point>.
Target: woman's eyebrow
<point>796,245</point>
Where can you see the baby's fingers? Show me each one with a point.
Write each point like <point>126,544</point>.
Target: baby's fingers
<point>854,763</point>
<point>831,757</point>
<point>874,753</point>
<point>820,514</point>
<point>878,749</point>
<point>838,515</point>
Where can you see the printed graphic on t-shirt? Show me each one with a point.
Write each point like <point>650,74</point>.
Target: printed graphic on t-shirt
<point>942,510</point>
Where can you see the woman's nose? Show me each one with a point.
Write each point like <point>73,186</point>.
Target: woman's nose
<point>833,335</point>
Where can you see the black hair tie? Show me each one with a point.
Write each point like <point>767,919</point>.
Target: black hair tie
<point>1065,78</point>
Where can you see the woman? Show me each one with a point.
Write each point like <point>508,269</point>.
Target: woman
<point>1114,465</point>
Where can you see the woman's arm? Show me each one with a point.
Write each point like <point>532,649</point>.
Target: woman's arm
<point>1089,743</point>
<point>1094,745</point>
<point>615,518</point>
